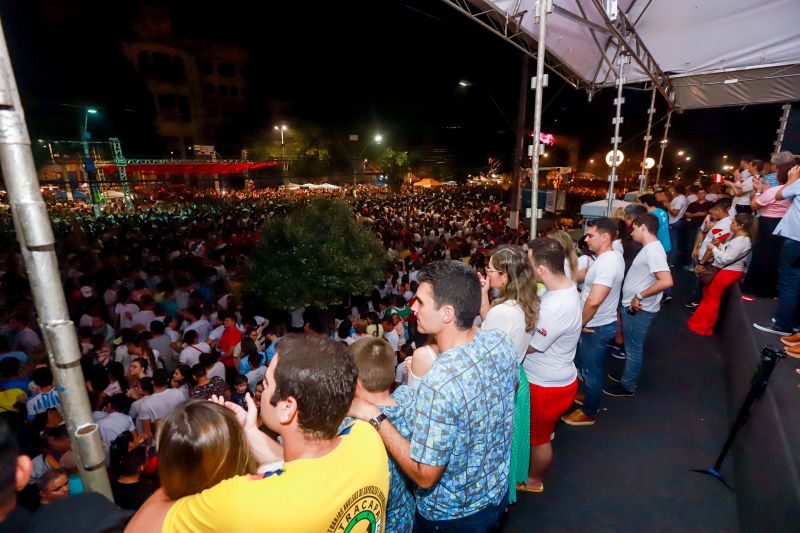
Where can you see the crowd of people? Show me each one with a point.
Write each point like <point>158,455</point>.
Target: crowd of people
<point>444,385</point>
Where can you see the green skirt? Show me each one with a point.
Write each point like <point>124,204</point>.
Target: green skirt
<point>521,440</point>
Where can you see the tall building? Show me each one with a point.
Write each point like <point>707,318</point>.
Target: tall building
<point>199,89</point>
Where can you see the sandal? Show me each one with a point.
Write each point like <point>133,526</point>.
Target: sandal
<point>523,487</point>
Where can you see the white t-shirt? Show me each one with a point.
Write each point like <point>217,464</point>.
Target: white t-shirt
<point>720,229</point>
<point>125,312</point>
<point>393,339</point>
<point>747,187</point>
<point>679,203</point>
<point>160,404</point>
<point>216,333</point>
<point>143,317</point>
<point>191,354</point>
<point>642,274</point>
<point>509,318</point>
<point>555,339</point>
<point>584,261</point>
<point>609,270</point>
<point>217,370</point>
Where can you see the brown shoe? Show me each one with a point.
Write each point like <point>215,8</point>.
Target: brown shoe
<point>577,418</point>
<point>791,340</point>
<point>580,398</point>
<point>793,351</point>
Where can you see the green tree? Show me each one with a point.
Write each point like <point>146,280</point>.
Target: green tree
<point>394,165</point>
<point>314,256</point>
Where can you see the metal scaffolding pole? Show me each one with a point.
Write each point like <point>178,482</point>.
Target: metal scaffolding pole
<point>35,236</point>
<point>663,146</point>
<point>543,7</point>
<point>787,108</point>
<point>647,138</point>
<point>121,162</point>
<point>615,140</point>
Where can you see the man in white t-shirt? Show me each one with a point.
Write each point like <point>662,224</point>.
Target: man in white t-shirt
<point>742,186</point>
<point>600,297</point>
<point>549,364</point>
<point>677,207</point>
<point>159,404</point>
<point>647,278</point>
<point>190,355</point>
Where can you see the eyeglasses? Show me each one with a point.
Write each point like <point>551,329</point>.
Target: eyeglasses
<point>494,270</point>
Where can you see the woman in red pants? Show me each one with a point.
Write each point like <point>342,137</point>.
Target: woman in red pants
<point>731,258</point>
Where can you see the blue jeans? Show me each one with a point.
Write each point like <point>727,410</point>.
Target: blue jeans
<point>592,355</point>
<point>484,521</point>
<point>786,316</point>
<point>635,328</point>
<point>672,256</point>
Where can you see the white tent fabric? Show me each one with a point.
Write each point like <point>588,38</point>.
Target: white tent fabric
<point>716,52</point>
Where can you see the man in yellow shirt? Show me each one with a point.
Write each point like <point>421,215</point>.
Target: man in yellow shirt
<point>328,482</point>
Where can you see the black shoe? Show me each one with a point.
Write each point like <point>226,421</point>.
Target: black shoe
<point>666,299</point>
<point>617,390</point>
<point>616,350</point>
<point>691,305</point>
<point>615,379</point>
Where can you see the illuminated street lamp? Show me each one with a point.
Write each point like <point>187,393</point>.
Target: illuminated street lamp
<point>680,152</point>
<point>94,190</point>
<point>377,139</point>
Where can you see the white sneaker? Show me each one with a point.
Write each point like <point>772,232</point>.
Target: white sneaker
<point>770,329</point>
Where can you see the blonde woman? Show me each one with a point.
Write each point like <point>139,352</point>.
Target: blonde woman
<point>199,444</point>
<point>515,312</point>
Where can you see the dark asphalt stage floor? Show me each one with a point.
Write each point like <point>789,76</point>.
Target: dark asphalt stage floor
<point>631,471</point>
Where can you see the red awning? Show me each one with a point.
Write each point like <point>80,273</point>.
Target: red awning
<point>190,168</point>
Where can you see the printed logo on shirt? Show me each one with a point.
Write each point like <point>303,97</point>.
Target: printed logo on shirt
<point>364,510</point>
<point>542,332</point>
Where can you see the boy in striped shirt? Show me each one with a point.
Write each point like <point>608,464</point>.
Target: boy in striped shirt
<point>47,397</point>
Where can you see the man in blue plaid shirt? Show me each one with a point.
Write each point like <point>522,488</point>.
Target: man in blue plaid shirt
<point>460,447</point>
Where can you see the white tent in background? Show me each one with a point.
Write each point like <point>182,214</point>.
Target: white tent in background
<point>113,194</point>
<point>292,186</point>
<point>310,186</point>
<point>329,186</point>
<point>597,209</point>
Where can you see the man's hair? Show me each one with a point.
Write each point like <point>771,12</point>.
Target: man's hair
<point>633,211</point>
<point>680,188</point>
<point>120,403</point>
<point>146,384</point>
<point>604,225</point>
<point>320,375</point>
<point>454,283</point>
<point>222,315</point>
<point>132,462</point>
<point>648,221</point>
<point>723,203</point>
<point>549,253</point>
<point>157,326</point>
<point>190,336</point>
<point>9,366</point>
<point>649,199</point>
<point>746,158</point>
<point>160,377</point>
<point>207,359</point>
<point>43,377</point>
<point>196,311</point>
<point>375,361</point>
<point>198,371</point>
<point>48,477</point>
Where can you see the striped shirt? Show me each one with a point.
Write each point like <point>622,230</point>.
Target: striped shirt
<point>43,401</point>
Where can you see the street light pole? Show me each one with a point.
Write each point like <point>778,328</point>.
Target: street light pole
<point>377,140</point>
<point>284,165</point>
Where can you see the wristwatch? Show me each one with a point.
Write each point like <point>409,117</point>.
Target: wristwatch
<point>377,421</point>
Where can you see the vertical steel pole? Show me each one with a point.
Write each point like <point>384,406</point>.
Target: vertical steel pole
<point>647,137</point>
<point>543,7</point>
<point>121,162</point>
<point>787,108</point>
<point>35,236</point>
<point>616,121</point>
<point>663,146</point>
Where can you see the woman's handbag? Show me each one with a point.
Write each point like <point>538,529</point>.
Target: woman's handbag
<point>708,271</point>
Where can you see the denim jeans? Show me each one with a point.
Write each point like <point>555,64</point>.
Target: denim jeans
<point>674,251</point>
<point>635,328</point>
<point>483,521</point>
<point>786,316</point>
<point>592,349</point>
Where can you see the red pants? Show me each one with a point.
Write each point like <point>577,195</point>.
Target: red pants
<point>705,316</point>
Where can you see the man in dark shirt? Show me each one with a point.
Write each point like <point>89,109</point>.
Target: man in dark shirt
<point>695,214</point>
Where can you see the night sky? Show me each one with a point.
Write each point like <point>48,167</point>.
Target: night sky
<point>355,66</point>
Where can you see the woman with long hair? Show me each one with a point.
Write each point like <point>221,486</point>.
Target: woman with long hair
<point>515,312</point>
<point>731,258</point>
<point>571,259</point>
<point>199,444</point>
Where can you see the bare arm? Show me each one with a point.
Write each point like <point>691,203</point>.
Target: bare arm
<point>597,295</point>
<point>425,476</point>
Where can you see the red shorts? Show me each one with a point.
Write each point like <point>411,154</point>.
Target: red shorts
<point>547,406</point>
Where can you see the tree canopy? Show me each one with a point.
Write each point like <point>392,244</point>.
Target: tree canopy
<point>316,255</point>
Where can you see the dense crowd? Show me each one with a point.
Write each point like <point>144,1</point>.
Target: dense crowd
<point>426,406</point>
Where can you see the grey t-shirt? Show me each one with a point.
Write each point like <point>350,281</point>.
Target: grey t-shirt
<point>642,274</point>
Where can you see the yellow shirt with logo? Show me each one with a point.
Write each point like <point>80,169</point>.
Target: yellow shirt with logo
<point>343,491</point>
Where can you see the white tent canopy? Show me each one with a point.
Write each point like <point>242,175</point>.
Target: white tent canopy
<point>710,52</point>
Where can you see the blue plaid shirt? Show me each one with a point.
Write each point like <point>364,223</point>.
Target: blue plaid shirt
<point>464,420</point>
